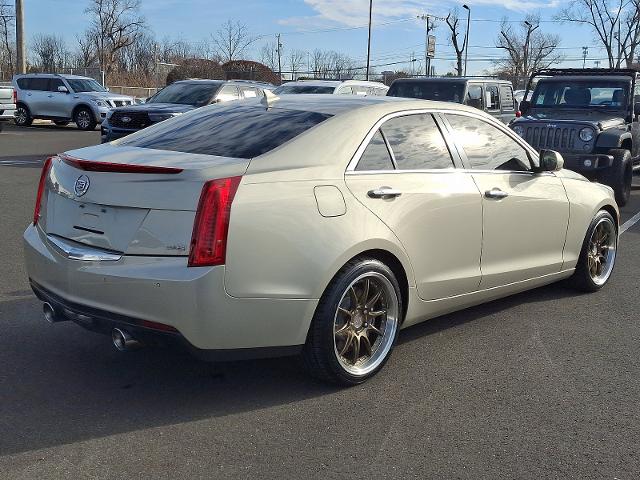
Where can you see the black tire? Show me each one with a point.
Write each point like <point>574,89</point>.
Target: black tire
<point>320,354</point>
<point>62,123</point>
<point>84,119</point>
<point>23,116</point>
<point>619,175</point>
<point>582,278</point>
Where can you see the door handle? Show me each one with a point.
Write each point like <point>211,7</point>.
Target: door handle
<point>384,192</point>
<point>496,193</point>
<point>50,95</point>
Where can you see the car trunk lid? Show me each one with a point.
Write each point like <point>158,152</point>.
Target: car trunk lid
<point>129,200</point>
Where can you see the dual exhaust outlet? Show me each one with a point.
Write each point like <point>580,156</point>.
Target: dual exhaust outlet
<point>121,339</point>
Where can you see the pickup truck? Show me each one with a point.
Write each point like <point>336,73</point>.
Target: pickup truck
<point>7,104</point>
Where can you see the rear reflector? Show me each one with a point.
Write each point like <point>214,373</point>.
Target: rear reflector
<point>43,181</point>
<point>157,326</point>
<point>116,167</point>
<point>211,226</point>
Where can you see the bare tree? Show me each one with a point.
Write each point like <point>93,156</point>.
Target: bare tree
<point>527,48</point>
<point>296,62</point>
<point>616,24</point>
<point>453,22</point>
<point>231,40</point>
<point>6,41</point>
<point>49,51</point>
<point>269,55</point>
<point>85,53</point>
<point>115,24</point>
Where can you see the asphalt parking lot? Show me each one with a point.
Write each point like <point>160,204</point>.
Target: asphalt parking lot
<point>544,384</point>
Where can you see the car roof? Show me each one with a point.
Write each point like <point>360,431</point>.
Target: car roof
<point>337,104</point>
<point>335,83</point>
<point>54,75</point>
<point>451,80</point>
<point>586,76</point>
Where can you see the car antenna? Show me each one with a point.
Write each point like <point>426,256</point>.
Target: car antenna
<point>269,98</point>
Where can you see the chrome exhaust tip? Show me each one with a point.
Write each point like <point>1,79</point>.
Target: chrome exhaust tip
<point>123,341</point>
<point>50,314</point>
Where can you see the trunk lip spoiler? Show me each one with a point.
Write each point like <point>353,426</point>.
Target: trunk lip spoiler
<point>93,166</point>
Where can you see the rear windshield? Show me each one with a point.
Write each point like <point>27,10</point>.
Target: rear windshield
<point>226,131</point>
<point>288,89</point>
<point>442,91</point>
<point>196,94</point>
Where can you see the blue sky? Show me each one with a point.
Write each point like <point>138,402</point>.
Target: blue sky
<point>332,24</point>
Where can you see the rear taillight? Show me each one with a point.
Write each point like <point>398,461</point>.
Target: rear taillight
<point>15,96</point>
<point>211,226</point>
<point>43,180</point>
<point>518,114</point>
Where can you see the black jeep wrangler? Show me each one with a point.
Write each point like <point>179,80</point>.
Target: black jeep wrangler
<point>590,116</point>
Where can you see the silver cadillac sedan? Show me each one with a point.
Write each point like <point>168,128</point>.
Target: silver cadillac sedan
<point>308,225</point>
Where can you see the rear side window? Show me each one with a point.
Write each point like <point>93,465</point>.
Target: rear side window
<point>493,100</point>
<point>416,143</point>
<point>506,94</point>
<point>376,156</point>
<point>41,84</point>
<point>24,83</point>
<point>226,131</point>
<point>228,93</point>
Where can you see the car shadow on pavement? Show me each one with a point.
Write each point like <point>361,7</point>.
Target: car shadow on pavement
<point>60,384</point>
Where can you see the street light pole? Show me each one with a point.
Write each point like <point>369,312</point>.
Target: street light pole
<point>466,38</point>
<point>369,38</point>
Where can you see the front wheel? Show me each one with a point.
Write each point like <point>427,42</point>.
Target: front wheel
<point>598,255</point>
<point>619,175</point>
<point>84,119</point>
<point>355,325</point>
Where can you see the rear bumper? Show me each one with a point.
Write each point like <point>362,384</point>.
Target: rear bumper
<point>589,163</point>
<point>7,113</point>
<point>164,290</point>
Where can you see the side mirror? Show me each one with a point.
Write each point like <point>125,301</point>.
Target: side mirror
<point>525,106</point>
<point>63,89</point>
<point>550,161</point>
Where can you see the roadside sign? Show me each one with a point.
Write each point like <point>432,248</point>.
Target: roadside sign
<point>431,46</point>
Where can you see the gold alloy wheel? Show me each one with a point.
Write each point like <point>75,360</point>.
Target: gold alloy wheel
<point>365,323</point>
<point>602,251</point>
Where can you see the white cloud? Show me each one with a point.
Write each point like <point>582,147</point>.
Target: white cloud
<point>353,13</point>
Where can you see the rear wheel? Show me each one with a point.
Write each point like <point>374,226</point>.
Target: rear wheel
<point>61,123</point>
<point>22,116</point>
<point>84,119</point>
<point>619,175</point>
<point>355,325</point>
<point>598,254</point>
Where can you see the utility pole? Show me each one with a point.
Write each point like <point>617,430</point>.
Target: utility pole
<point>585,52</point>
<point>279,59</point>
<point>525,63</point>
<point>466,38</point>
<point>369,39</point>
<point>428,26</point>
<point>21,63</point>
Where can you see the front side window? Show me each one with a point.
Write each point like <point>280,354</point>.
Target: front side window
<point>376,156</point>
<point>487,147</point>
<point>416,143</point>
<point>230,130</point>
<point>79,85</point>
<point>54,84</point>
<point>196,94</point>
<point>228,93</point>
<point>474,96</point>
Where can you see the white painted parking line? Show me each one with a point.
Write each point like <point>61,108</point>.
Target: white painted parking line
<point>9,163</point>
<point>629,223</point>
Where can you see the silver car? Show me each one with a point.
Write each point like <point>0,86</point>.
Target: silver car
<point>307,224</point>
<point>64,99</point>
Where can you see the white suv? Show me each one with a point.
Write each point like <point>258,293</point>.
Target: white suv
<point>335,87</point>
<point>64,99</point>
